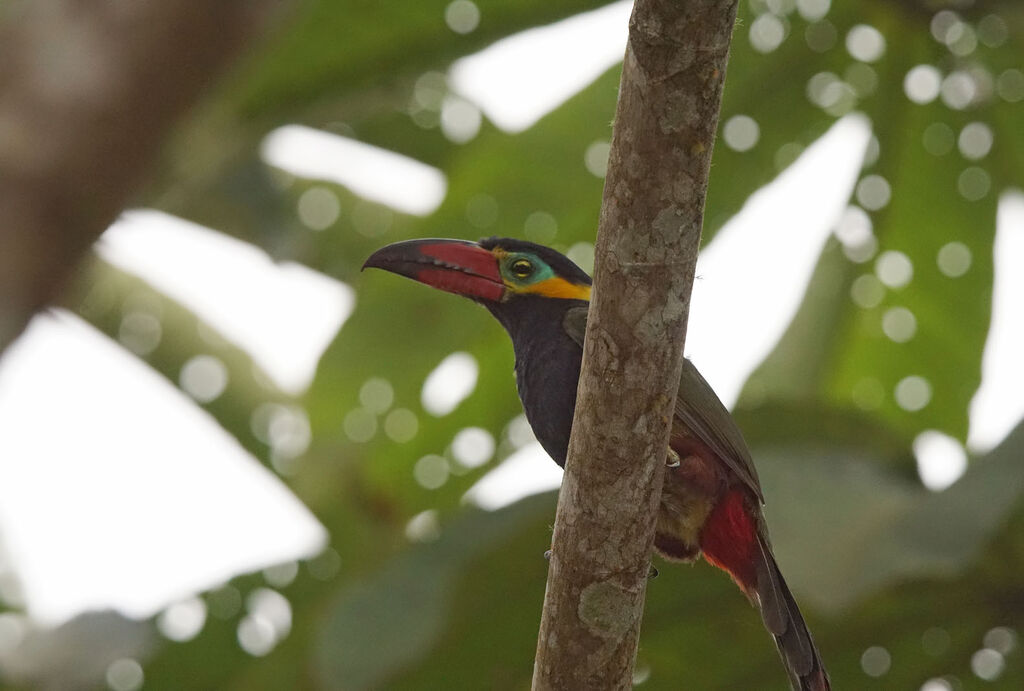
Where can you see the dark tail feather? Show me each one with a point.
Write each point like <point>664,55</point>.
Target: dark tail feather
<point>783,620</point>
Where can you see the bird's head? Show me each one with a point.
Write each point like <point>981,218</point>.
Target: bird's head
<point>494,271</point>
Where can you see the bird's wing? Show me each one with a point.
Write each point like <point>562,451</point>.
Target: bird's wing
<point>697,407</point>
<point>700,409</point>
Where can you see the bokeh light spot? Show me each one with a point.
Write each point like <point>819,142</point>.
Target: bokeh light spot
<point>787,154</point>
<point>894,269</point>
<point>937,684</point>
<point>867,291</point>
<point>376,394</point>
<point>865,43</point>
<point>899,324</point>
<point>281,575</point>
<point>285,429</point>
<point>875,661</point>
<point>767,33</point>
<point>1002,639</point>
<point>462,16</point>
<point>941,461</point>
<point>1010,85</point>
<point>821,36</point>
<point>183,620</point>
<point>741,132</point>
<point>962,40</point>
<point>423,527</point>
<point>987,664</point>
<point>325,566</point>
<point>855,231</point>
<point>431,471</point>
<point>256,635</point>
<point>944,25</point>
<point>318,208</point>
<point>922,84</point>
<point>992,30</point>
<point>460,119</point>
<point>954,259</point>
<point>913,393</point>
<point>641,673</point>
<point>540,227</point>
<point>401,425</point>
<point>360,425</point>
<point>273,607</point>
<point>973,183</point>
<point>813,10</point>
<point>596,158</point>
<point>862,78</point>
<point>140,332</point>
<point>975,140</point>
<point>204,378</point>
<point>125,675</point>
<point>873,192</point>
<point>958,90</point>
<point>430,90</point>
<point>473,446</point>
<point>518,432</point>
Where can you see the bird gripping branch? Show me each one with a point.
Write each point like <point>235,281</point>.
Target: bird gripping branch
<point>711,500</point>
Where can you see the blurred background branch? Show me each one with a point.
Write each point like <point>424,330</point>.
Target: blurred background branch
<point>89,92</point>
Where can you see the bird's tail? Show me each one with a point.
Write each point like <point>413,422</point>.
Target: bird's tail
<point>783,620</point>
<point>733,540</point>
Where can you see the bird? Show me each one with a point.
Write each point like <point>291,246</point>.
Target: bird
<point>711,503</point>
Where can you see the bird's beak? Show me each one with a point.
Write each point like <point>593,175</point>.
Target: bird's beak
<point>457,266</point>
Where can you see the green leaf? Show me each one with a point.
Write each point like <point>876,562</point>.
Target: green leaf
<point>381,627</point>
<point>844,527</point>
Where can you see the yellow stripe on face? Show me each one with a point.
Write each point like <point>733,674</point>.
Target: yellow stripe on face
<point>556,287</point>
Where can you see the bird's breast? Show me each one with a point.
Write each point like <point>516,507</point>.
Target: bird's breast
<point>547,374</point>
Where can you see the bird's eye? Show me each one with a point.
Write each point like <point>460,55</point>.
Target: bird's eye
<point>521,268</point>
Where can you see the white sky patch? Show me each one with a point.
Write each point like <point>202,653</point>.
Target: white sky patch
<point>519,79</point>
<point>284,315</point>
<point>526,472</point>
<point>998,405</point>
<point>382,176</point>
<point>752,277</point>
<point>141,498</point>
<point>449,383</point>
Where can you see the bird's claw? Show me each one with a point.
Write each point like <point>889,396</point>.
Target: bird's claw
<point>672,459</point>
<point>547,555</point>
<point>652,572</point>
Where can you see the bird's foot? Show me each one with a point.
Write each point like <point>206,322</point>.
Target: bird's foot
<point>547,555</point>
<point>672,459</point>
<point>652,572</point>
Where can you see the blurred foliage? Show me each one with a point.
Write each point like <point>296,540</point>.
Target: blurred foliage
<point>876,559</point>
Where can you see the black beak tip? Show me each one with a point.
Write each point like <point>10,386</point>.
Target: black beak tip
<point>379,259</point>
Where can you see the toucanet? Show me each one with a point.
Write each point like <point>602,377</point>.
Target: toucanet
<point>711,501</point>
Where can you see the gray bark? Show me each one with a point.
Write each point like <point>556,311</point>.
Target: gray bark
<point>89,89</point>
<point>648,237</point>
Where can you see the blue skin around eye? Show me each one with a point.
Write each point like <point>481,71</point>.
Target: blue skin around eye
<point>542,271</point>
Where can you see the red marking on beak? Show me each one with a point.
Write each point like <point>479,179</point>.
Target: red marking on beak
<point>456,266</point>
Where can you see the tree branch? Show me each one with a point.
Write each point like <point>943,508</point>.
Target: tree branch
<point>89,89</point>
<point>648,237</point>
